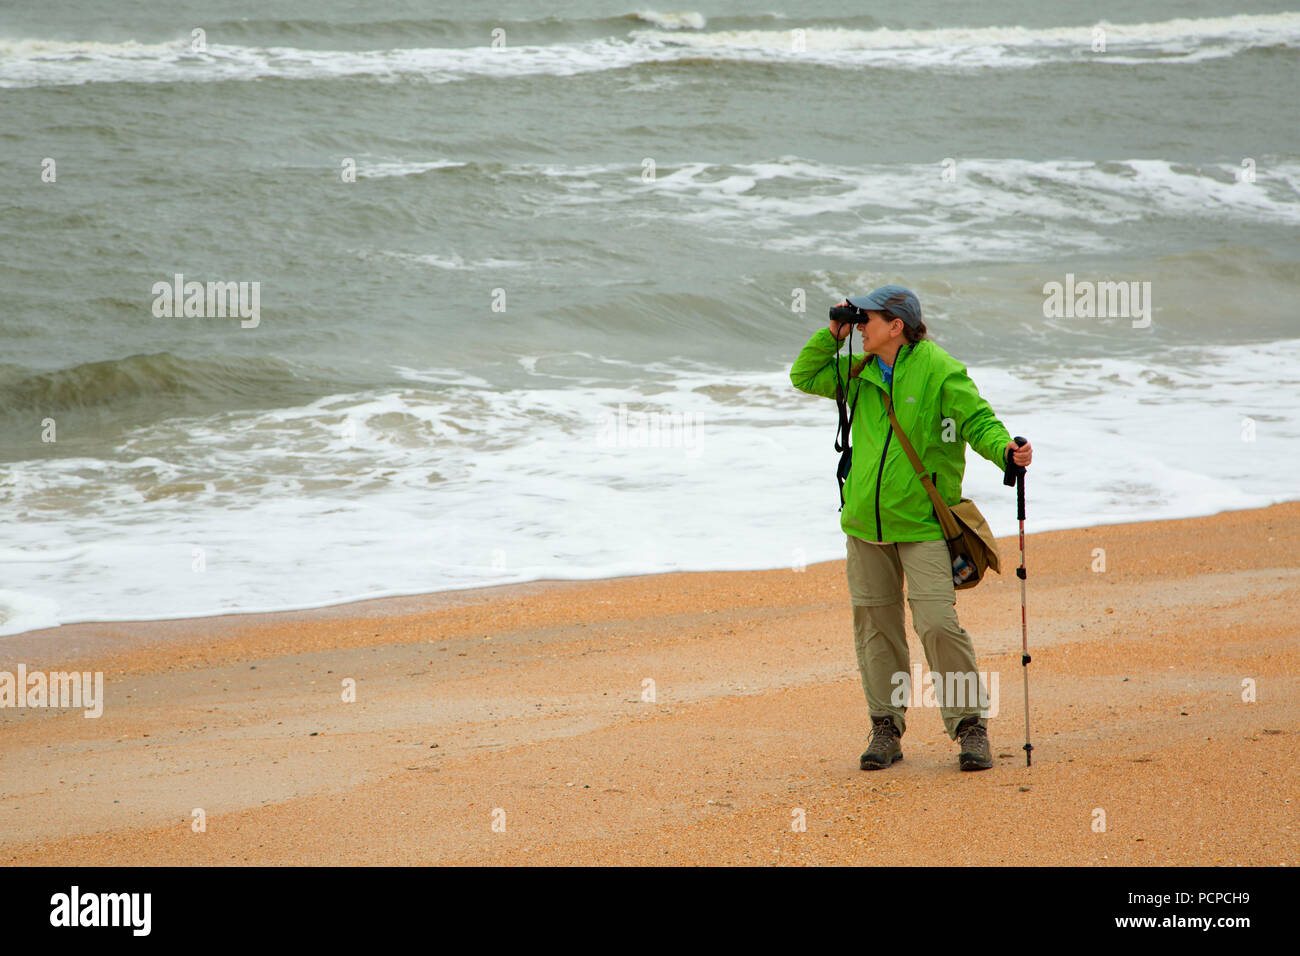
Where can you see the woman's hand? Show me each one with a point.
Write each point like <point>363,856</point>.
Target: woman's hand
<point>1024,454</point>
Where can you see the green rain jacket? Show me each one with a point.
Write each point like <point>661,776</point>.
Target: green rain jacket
<point>939,409</point>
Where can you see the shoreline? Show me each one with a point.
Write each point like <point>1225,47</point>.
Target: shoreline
<point>1008,543</point>
<point>82,634</point>
<point>531,698</point>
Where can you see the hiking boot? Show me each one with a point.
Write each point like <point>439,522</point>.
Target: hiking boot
<point>883,748</point>
<point>974,741</point>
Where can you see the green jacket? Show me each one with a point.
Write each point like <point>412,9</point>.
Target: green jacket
<point>938,407</point>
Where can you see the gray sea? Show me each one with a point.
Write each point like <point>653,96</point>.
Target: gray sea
<point>524,283</point>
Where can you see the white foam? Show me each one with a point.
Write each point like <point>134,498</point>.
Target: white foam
<point>681,20</point>
<point>451,486</point>
<point>993,210</point>
<point>441,376</point>
<point>54,50</point>
<point>77,63</point>
<point>392,169</point>
<point>1169,41</point>
<point>452,261</point>
<point>25,612</point>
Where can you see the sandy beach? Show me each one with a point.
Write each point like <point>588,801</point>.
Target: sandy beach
<point>510,725</point>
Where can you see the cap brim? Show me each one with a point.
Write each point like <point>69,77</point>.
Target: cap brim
<point>868,302</point>
<point>865,302</point>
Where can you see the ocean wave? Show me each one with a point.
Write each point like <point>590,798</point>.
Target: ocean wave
<point>806,187</point>
<point>35,62</point>
<point>1011,209</point>
<point>687,20</point>
<point>993,209</point>
<point>409,30</point>
<point>453,261</point>
<point>1256,29</point>
<point>391,169</point>
<point>151,377</point>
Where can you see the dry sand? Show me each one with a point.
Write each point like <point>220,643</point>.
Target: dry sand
<point>523,705</point>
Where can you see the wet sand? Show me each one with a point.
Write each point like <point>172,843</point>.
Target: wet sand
<point>511,725</point>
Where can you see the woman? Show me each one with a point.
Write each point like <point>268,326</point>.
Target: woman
<point>888,518</point>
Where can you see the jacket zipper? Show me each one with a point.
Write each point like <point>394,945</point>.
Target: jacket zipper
<point>880,472</point>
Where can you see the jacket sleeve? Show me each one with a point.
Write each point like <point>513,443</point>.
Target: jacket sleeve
<point>814,369</point>
<point>976,423</point>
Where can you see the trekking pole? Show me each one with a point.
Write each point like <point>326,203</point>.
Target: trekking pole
<point>1015,475</point>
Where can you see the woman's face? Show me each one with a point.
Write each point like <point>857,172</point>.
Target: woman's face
<point>876,331</point>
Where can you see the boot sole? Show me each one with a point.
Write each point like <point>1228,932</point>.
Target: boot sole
<point>973,763</point>
<point>865,765</point>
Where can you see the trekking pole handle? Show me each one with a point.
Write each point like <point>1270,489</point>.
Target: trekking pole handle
<point>1011,470</point>
<point>1015,475</point>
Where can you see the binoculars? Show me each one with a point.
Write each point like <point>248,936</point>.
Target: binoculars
<point>847,314</point>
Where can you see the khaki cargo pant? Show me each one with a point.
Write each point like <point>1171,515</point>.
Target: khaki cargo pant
<point>876,574</point>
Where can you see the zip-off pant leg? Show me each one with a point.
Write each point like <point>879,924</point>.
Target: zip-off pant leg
<point>876,574</point>
<point>879,635</point>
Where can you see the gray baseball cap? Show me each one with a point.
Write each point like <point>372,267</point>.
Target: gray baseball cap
<point>893,300</point>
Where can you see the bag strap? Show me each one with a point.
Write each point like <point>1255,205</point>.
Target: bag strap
<point>946,520</point>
